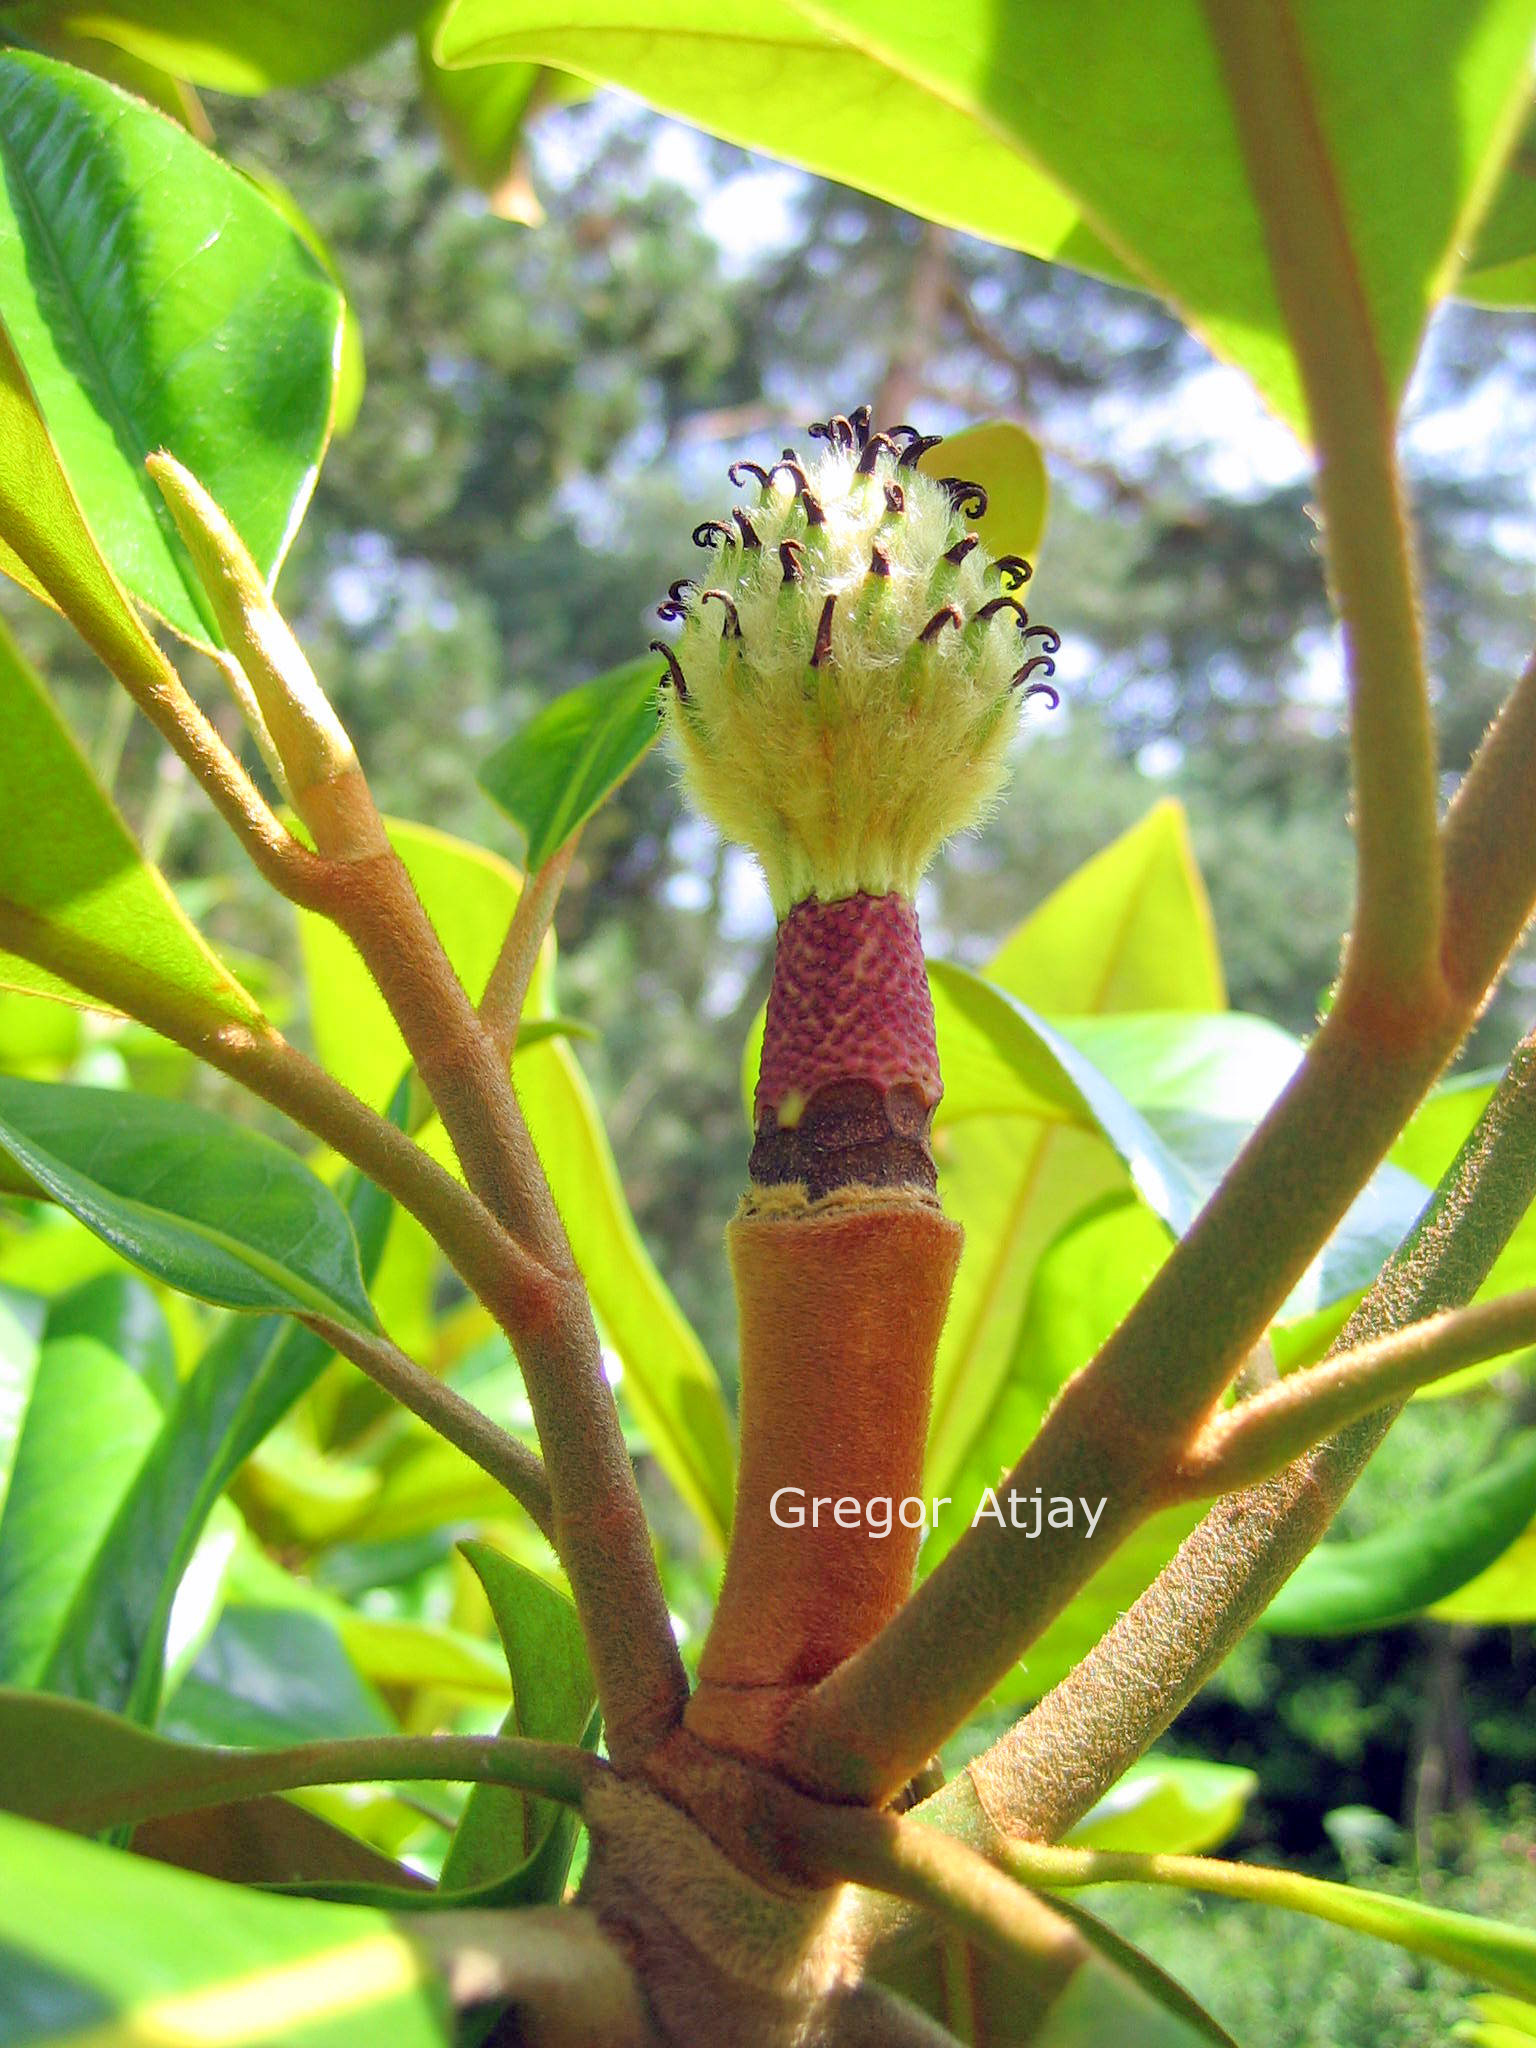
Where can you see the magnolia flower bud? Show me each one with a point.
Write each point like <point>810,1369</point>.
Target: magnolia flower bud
<point>851,665</point>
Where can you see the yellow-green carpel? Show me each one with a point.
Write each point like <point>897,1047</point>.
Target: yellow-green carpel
<point>851,664</point>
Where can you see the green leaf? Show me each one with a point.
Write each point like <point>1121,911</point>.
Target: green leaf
<point>190,1198</point>
<point>1501,2023</point>
<point>267,1677</point>
<point>1201,1084</point>
<point>351,358</point>
<point>1131,930</point>
<point>69,865</point>
<point>1122,1995</point>
<point>177,1957</point>
<point>157,301</point>
<point>244,46</point>
<point>668,1380</point>
<point>480,115</point>
<point>111,1647</point>
<point>1170,1804</point>
<point>88,1423</point>
<point>550,777</point>
<point>1502,1593</point>
<point>1501,266</point>
<point>79,1768</point>
<point>772,77</point>
<point>511,1841</point>
<point>120,1311</point>
<point>1408,104</point>
<point>1005,459</point>
<point>1420,1559</point>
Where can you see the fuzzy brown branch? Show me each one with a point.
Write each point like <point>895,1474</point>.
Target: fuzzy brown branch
<point>1255,1439</point>
<point>507,990</point>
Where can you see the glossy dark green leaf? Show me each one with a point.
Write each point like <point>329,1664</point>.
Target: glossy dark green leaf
<point>194,1200</point>
<point>505,1835</point>
<point>68,863</point>
<point>1433,1548</point>
<point>111,1646</point>
<point>270,1676</point>
<point>173,1957</point>
<point>239,45</point>
<point>550,777</point>
<point>156,300</point>
<point>120,1311</point>
<point>89,1421</point>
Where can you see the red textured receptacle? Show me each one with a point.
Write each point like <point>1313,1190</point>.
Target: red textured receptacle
<point>849,1002</point>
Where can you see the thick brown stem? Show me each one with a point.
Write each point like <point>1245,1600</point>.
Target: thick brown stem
<point>843,1264</point>
<point>840,1319</point>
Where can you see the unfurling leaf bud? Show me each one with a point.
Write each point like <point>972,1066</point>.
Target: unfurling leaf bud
<point>314,753</point>
<point>850,666</point>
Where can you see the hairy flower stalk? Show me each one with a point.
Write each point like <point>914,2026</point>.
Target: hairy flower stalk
<point>842,695</point>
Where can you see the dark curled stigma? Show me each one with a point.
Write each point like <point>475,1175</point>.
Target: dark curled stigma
<point>1044,663</point>
<point>792,466</point>
<point>789,562</point>
<point>738,470</point>
<point>858,419</point>
<point>728,604</point>
<point>749,537</point>
<point>961,549</point>
<point>895,498</point>
<point>879,561</point>
<point>814,513</point>
<point>994,605</point>
<point>710,531</point>
<point>674,674</point>
<point>674,608</point>
<point>1014,571</point>
<point>917,448</point>
<point>821,653</point>
<point>837,430</point>
<point>968,499</point>
<point>946,615</point>
<point>876,446</point>
<point>1049,638</point>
